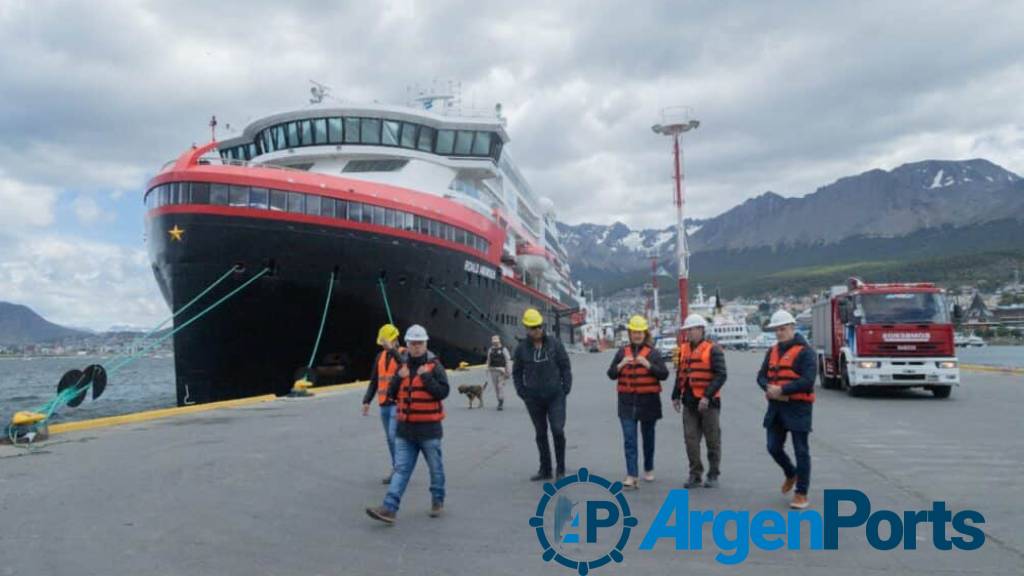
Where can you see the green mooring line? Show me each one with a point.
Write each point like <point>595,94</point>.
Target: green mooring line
<point>323,321</point>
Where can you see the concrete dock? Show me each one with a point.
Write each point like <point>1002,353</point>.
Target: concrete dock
<point>279,487</point>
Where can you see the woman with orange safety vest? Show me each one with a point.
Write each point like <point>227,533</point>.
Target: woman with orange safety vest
<point>384,367</point>
<point>639,369</point>
<point>417,390</point>
<point>787,378</point>
<point>697,395</point>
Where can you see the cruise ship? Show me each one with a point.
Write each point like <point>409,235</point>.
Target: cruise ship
<point>416,211</point>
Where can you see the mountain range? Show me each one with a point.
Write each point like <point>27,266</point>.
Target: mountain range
<point>948,221</point>
<point>21,325</point>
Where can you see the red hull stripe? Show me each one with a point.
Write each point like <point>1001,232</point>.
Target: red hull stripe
<point>218,210</point>
<point>422,204</point>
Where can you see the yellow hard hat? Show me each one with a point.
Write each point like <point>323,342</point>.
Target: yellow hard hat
<point>637,324</point>
<point>387,332</point>
<point>532,318</point>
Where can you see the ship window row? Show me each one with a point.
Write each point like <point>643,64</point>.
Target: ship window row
<point>368,131</point>
<point>309,204</point>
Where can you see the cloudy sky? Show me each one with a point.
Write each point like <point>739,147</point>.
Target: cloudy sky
<point>95,96</point>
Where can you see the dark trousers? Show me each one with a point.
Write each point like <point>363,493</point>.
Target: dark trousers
<point>544,413</point>
<point>697,424</point>
<point>776,447</point>
<point>630,444</point>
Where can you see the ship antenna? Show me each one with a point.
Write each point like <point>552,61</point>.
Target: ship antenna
<point>318,91</point>
<point>213,128</point>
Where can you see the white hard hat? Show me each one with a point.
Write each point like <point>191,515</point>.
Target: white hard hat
<point>416,333</point>
<point>695,321</point>
<point>780,318</point>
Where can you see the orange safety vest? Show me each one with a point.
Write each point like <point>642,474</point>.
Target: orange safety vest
<point>386,368</point>
<point>780,371</point>
<point>415,404</point>
<point>634,378</point>
<point>695,368</point>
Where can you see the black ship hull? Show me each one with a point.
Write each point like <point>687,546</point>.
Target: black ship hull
<point>255,342</point>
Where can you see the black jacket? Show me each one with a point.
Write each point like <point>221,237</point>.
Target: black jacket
<point>718,377</point>
<point>371,389</point>
<point>792,415</point>
<point>644,407</point>
<point>541,374</point>
<point>436,383</point>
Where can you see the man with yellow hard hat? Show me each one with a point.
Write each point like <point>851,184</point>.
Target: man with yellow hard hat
<point>543,378</point>
<point>384,368</point>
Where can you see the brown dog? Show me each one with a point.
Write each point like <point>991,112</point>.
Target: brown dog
<point>473,391</point>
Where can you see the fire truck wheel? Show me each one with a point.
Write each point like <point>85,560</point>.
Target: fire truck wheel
<point>941,391</point>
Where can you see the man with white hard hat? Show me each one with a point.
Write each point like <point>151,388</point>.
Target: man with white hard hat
<point>697,394</point>
<point>787,378</point>
<point>417,390</point>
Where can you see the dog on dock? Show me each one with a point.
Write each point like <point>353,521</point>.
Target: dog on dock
<point>473,391</point>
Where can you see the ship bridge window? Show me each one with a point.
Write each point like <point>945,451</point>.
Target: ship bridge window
<point>293,134</point>
<point>334,130</point>
<point>352,130</point>
<point>369,131</point>
<point>408,135</point>
<point>200,193</point>
<point>425,141</point>
<point>306,132</point>
<point>445,141</point>
<point>391,132</point>
<point>482,144</point>
<point>280,142</point>
<point>464,143</point>
<point>355,211</point>
<point>320,131</point>
<point>374,165</point>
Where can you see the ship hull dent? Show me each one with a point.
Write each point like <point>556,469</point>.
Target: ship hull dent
<point>255,341</point>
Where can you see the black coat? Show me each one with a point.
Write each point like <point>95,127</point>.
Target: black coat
<point>643,407</point>
<point>541,374</point>
<point>436,384</point>
<point>792,415</point>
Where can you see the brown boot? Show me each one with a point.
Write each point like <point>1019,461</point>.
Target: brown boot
<point>799,501</point>
<point>436,509</point>
<point>381,513</point>
<point>788,484</point>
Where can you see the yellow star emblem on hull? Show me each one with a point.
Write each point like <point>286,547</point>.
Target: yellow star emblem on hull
<point>176,233</point>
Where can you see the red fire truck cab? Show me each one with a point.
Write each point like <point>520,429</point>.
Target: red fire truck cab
<point>885,335</point>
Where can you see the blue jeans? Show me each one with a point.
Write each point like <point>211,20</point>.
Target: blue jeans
<point>776,447</point>
<point>406,452</point>
<point>630,440</point>
<point>390,423</point>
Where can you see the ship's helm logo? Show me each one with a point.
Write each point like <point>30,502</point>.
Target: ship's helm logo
<point>583,522</point>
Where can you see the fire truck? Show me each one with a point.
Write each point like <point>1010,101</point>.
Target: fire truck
<point>885,335</point>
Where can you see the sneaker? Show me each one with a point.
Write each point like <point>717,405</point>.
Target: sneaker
<point>560,473</point>
<point>711,482</point>
<point>500,404</point>
<point>540,475</point>
<point>788,484</point>
<point>381,513</point>
<point>649,476</point>
<point>799,501</point>
<point>693,482</point>
<point>630,483</point>
<point>436,509</point>
<point>386,479</point>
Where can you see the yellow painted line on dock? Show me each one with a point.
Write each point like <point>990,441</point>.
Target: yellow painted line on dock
<point>150,415</point>
<point>997,369</point>
<point>156,414</point>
